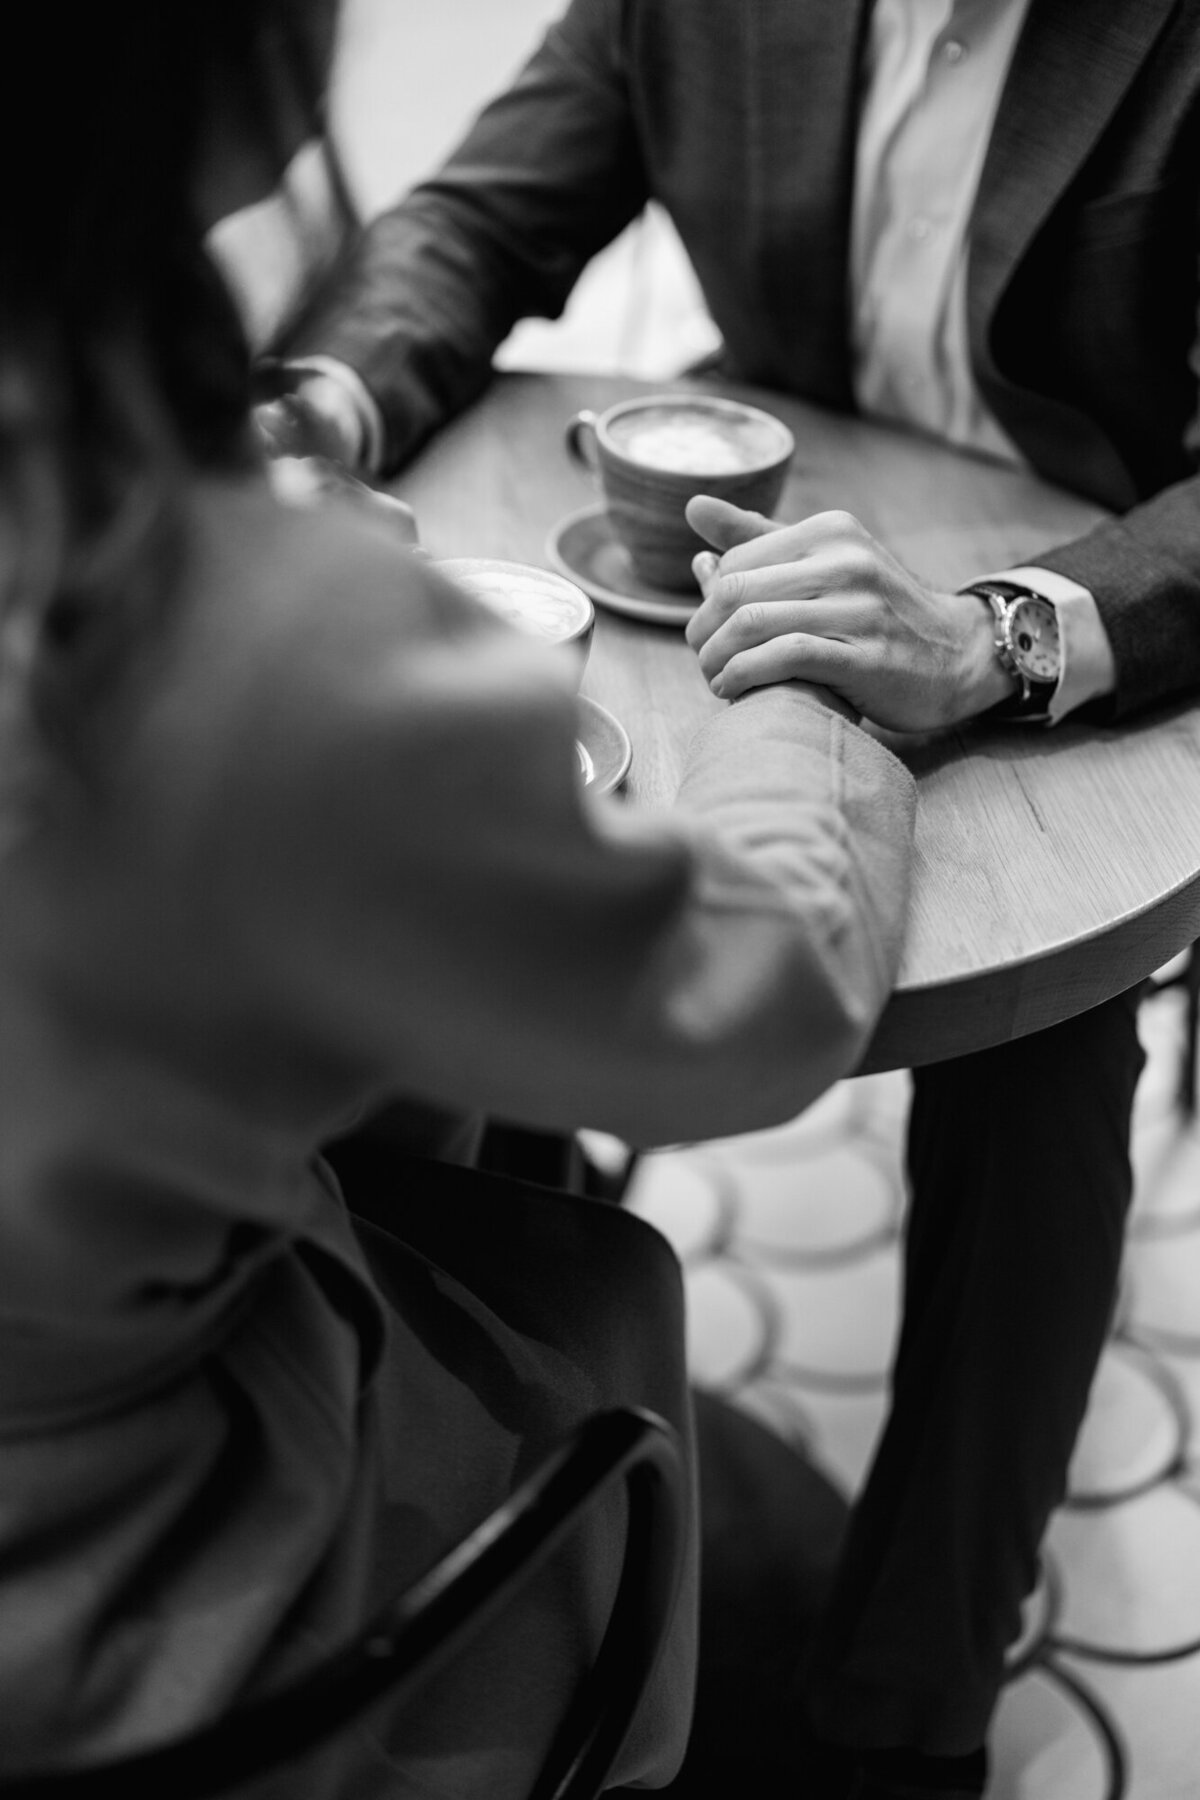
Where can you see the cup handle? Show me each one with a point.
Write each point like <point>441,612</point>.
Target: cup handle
<point>580,437</point>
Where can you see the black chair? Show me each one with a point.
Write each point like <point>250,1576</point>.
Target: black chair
<point>416,1635</point>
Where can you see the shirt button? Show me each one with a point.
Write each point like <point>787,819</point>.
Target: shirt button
<point>920,228</point>
<point>953,50</point>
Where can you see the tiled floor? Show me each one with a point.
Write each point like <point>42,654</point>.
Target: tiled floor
<point>790,1245</point>
<point>790,1238</point>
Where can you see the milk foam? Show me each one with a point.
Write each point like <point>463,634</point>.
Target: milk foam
<point>536,602</point>
<point>697,440</point>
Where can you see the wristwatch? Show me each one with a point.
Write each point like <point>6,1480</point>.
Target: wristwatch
<point>1028,646</point>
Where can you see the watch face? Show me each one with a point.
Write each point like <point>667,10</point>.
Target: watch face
<point>1033,639</point>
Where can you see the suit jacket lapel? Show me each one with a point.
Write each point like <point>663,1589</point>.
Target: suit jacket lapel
<point>802,100</point>
<point>1074,62</point>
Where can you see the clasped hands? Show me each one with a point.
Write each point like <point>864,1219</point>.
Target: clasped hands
<point>820,602</point>
<point>824,603</point>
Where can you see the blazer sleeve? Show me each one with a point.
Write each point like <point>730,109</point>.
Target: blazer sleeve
<point>452,907</point>
<point>1144,570</point>
<point>548,174</point>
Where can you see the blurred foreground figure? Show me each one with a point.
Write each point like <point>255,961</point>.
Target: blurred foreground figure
<point>289,825</point>
<point>978,219</point>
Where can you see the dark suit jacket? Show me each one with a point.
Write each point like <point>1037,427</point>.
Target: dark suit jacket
<point>740,117</point>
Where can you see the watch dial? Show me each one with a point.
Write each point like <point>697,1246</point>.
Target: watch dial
<point>1033,639</point>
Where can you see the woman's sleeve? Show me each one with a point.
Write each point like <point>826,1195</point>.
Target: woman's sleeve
<point>491,937</point>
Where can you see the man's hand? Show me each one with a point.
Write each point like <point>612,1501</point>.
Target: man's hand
<point>306,480</point>
<point>823,602</point>
<point>318,419</point>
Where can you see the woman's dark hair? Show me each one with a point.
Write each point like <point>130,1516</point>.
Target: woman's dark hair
<point>122,359</point>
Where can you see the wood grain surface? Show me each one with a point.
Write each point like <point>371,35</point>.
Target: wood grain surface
<point>1054,868</point>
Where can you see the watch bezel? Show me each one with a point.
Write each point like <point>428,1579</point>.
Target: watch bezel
<point>1034,693</point>
<point>1009,627</point>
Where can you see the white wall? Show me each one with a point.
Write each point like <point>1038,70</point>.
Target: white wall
<point>408,77</point>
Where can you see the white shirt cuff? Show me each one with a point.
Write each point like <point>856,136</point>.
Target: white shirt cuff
<point>1088,668</point>
<point>367,413</point>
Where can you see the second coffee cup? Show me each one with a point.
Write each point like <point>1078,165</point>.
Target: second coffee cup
<point>534,600</point>
<point>653,453</point>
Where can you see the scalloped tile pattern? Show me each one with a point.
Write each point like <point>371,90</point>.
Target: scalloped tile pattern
<point>790,1241</point>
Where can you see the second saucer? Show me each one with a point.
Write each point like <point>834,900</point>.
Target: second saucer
<point>583,548</point>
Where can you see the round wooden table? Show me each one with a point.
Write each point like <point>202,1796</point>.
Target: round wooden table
<point>1054,868</point>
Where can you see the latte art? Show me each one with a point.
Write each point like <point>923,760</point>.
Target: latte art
<point>697,440</point>
<point>653,454</point>
<point>532,599</point>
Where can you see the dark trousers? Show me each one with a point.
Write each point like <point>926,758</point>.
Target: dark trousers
<point>1020,1185</point>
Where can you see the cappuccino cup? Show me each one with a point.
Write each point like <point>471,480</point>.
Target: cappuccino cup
<point>546,606</point>
<point>653,453</point>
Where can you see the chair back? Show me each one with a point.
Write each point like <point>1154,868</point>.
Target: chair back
<point>419,1632</point>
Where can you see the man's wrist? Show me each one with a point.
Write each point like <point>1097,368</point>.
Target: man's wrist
<point>1030,647</point>
<point>334,405</point>
<point>984,682</point>
<point>1088,665</point>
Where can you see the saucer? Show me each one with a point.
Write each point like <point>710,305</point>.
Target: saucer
<point>582,547</point>
<point>603,747</point>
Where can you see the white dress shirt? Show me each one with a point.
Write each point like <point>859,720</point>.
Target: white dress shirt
<point>931,85</point>
<point>932,79</point>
